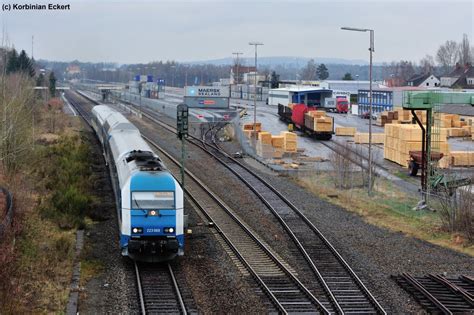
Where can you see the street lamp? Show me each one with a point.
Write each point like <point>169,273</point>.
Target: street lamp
<point>371,50</point>
<point>255,90</point>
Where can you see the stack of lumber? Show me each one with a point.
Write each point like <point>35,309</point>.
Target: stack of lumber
<point>462,158</point>
<point>277,144</point>
<point>264,137</point>
<point>346,131</point>
<point>455,126</point>
<point>249,126</point>
<point>289,141</point>
<point>317,120</point>
<point>400,139</point>
<point>403,116</point>
<point>248,129</point>
<point>363,138</point>
<point>386,117</point>
<point>264,145</point>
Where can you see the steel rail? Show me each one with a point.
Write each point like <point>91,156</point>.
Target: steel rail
<point>177,291</point>
<point>85,116</point>
<point>425,293</point>
<point>243,226</point>
<point>140,291</point>
<point>352,274</point>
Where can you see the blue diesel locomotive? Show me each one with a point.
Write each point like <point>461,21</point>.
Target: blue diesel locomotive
<point>149,199</point>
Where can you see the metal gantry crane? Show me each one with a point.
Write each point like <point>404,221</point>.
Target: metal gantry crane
<point>431,102</point>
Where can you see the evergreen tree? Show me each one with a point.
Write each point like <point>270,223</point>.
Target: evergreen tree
<point>322,72</point>
<point>25,64</point>
<point>40,80</point>
<point>275,79</point>
<point>347,77</point>
<point>52,84</point>
<point>12,61</point>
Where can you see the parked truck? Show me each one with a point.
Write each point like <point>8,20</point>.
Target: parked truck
<point>337,104</point>
<point>308,119</point>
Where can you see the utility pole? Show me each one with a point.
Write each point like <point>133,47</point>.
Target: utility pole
<point>237,54</point>
<point>371,49</point>
<point>32,45</point>
<point>256,44</point>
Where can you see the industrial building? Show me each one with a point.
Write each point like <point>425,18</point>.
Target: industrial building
<point>383,99</point>
<point>298,94</point>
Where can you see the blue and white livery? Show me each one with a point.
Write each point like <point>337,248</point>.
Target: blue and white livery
<point>149,199</point>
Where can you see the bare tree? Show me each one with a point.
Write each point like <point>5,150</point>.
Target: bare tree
<point>447,55</point>
<point>456,211</point>
<point>427,64</point>
<point>464,51</point>
<point>343,167</point>
<point>16,106</point>
<point>309,71</point>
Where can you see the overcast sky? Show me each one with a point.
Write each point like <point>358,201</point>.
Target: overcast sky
<point>142,31</point>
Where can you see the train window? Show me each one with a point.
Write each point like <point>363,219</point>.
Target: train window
<point>153,200</point>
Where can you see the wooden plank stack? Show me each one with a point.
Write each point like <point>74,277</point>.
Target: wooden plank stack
<point>400,139</point>
<point>346,131</point>
<point>363,138</point>
<point>462,158</point>
<point>289,141</point>
<point>269,146</point>
<point>317,120</point>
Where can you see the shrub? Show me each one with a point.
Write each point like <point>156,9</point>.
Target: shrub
<point>67,176</point>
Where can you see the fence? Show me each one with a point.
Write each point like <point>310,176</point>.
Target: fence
<point>7,220</point>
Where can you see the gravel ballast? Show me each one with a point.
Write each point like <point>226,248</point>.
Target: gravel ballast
<point>374,253</point>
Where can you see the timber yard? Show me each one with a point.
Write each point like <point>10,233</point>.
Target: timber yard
<point>250,184</point>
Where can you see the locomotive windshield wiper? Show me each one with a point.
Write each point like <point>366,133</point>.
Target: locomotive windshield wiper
<point>139,207</point>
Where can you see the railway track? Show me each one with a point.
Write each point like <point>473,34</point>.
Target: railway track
<point>440,295</point>
<point>275,278</point>
<point>344,291</point>
<point>158,290</point>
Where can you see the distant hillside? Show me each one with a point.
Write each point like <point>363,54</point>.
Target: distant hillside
<point>281,61</point>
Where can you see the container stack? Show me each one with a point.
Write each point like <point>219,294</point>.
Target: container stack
<point>400,139</point>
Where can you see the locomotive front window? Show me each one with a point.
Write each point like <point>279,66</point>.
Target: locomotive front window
<point>153,200</point>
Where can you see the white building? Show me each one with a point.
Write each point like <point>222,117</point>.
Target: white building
<point>424,80</point>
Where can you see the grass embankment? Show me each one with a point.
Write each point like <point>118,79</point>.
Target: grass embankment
<point>55,195</point>
<point>388,208</point>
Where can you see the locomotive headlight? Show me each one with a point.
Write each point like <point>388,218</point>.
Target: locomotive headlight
<point>168,230</point>
<point>137,230</point>
<point>153,212</point>
<point>171,230</point>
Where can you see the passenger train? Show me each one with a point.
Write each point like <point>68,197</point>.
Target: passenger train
<point>149,199</point>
